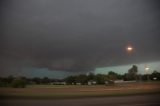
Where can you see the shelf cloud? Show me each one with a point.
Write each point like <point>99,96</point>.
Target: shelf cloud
<point>77,35</point>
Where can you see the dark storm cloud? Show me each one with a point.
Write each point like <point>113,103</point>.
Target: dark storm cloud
<point>77,35</point>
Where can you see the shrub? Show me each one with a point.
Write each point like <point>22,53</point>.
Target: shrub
<point>18,83</point>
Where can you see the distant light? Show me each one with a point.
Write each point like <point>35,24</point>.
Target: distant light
<point>129,48</point>
<point>147,68</point>
<point>154,78</point>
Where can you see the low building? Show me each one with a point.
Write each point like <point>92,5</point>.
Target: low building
<point>92,82</point>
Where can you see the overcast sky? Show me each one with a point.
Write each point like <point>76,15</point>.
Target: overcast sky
<point>77,35</point>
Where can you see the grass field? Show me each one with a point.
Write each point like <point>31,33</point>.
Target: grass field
<point>76,91</point>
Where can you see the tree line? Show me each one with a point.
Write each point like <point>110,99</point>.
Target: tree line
<point>83,79</point>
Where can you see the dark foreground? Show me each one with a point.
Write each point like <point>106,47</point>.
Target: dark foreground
<point>136,100</point>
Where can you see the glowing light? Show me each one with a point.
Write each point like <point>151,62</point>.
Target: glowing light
<point>129,48</point>
<point>147,68</point>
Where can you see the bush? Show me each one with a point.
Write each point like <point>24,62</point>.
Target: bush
<point>19,83</point>
<point>3,84</point>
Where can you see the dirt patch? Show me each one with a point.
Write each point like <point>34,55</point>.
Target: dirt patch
<point>81,89</point>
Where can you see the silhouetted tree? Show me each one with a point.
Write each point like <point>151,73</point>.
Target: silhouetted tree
<point>132,73</point>
<point>82,79</point>
<point>45,80</point>
<point>10,79</point>
<point>91,76</point>
<point>19,83</point>
<point>112,75</point>
<point>37,80</point>
<point>155,75</point>
<point>101,78</point>
<point>70,80</point>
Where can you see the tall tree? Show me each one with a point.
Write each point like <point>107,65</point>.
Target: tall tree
<point>112,75</point>
<point>81,79</point>
<point>132,73</point>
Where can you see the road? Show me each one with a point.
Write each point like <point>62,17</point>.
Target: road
<point>138,100</point>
